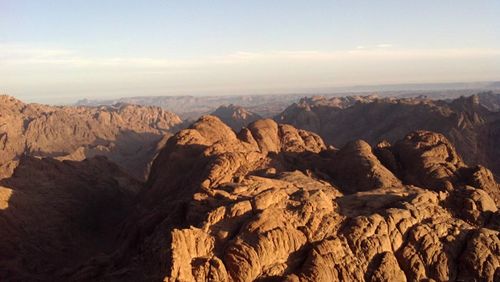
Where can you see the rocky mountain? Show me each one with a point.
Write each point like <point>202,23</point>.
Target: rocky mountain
<point>470,126</point>
<point>270,202</point>
<point>269,105</point>
<point>490,100</point>
<point>129,135</point>
<point>192,107</point>
<point>56,215</point>
<point>274,202</point>
<point>235,117</point>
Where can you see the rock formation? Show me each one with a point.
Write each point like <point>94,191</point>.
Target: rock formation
<point>126,134</point>
<point>273,202</point>
<point>471,127</point>
<point>235,117</point>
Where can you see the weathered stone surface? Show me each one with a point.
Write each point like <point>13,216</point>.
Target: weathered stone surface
<point>481,259</point>
<point>276,206</point>
<point>357,169</point>
<point>429,160</point>
<point>386,269</point>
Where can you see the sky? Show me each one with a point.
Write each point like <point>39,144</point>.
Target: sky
<point>60,51</point>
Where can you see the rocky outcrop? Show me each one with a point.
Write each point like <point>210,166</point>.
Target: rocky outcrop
<point>273,202</point>
<point>357,169</point>
<point>428,160</point>
<point>466,122</point>
<point>126,134</point>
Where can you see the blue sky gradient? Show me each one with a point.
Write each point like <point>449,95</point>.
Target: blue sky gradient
<point>66,50</point>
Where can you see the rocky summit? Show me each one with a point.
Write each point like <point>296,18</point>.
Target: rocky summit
<point>274,202</point>
<point>268,203</point>
<point>250,141</point>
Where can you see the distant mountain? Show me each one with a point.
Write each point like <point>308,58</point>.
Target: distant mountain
<point>473,129</point>
<point>235,116</point>
<point>129,135</point>
<point>191,107</point>
<point>490,100</point>
<point>269,105</point>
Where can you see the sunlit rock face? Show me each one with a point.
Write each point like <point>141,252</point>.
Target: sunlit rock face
<point>273,202</point>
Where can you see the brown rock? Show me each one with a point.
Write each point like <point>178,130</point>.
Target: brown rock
<point>235,117</point>
<point>471,127</point>
<point>55,215</point>
<point>357,169</point>
<point>481,258</point>
<point>274,203</point>
<point>126,134</point>
<point>387,269</point>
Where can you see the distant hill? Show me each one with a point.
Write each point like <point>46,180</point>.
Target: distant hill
<point>191,107</point>
<point>268,105</point>
<point>235,116</point>
<point>469,125</point>
<point>490,100</point>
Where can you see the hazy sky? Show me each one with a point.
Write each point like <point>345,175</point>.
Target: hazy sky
<point>51,50</point>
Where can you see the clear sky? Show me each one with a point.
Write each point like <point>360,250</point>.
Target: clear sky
<point>68,49</point>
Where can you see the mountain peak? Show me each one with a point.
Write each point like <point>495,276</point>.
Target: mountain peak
<point>235,116</point>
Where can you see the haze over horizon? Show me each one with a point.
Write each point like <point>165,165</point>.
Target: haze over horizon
<point>67,50</point>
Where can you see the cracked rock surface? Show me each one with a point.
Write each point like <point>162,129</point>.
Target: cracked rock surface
<point>274,203</point>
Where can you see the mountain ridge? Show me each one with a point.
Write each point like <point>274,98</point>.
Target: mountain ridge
<point>127,134</point>
<point>270,201</point>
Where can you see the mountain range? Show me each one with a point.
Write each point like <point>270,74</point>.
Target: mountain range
<point>361,188</point>
<point>127,134</point>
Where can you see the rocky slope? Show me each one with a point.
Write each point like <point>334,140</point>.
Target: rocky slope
<point>55,215</point>
<point>235,117</point>
<point>471,127</point>
<point>275,203</point>
<point>126,134</point>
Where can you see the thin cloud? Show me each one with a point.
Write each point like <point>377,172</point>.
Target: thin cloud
<point>20,56</point>
<point>384,45</point>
